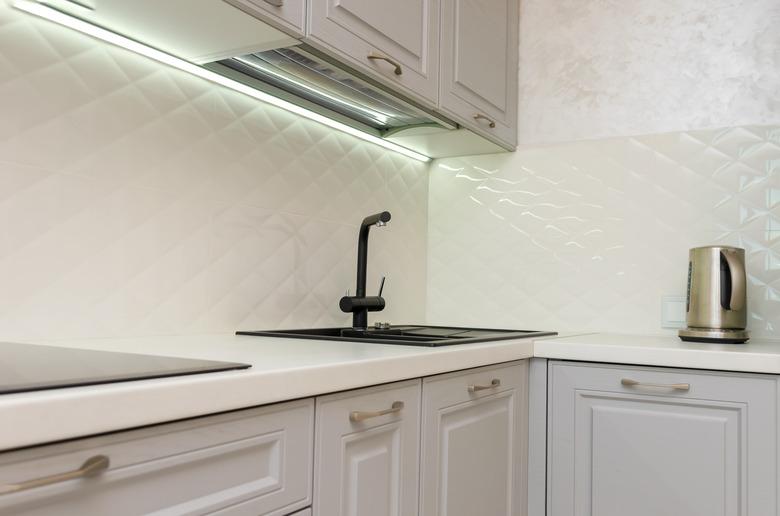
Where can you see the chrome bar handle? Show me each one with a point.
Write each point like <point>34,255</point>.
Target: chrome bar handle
<point>495,382</point>
<point>275,3</point>
<point>93,466</point>
<point>480,116</point>
<point>398,69</point>
<point>361,415</point>
<point>628,382</point>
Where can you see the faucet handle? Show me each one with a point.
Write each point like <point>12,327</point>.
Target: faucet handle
<point>381,286</point>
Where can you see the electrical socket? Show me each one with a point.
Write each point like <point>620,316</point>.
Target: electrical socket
<point>673,310</point>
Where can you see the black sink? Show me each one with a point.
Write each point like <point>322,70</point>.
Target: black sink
<point>405,335</point>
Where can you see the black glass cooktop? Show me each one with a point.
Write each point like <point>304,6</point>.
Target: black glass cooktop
<point>30,367</point>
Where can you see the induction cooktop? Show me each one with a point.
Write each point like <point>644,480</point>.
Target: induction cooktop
<point>32,367</point>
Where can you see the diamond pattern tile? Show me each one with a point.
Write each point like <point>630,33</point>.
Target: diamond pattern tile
<point>139,200</point>
<point>590,235</point>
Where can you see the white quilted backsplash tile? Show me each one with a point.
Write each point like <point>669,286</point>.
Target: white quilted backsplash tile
<point>136,199</point>
<point>591,235</point>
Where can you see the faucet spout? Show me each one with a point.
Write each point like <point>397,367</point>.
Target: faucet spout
<point>378,219</point>
<point>360,305</point>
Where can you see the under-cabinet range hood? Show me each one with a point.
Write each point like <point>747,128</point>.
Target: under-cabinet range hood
<point>306,76</point>
<point>217,41</point>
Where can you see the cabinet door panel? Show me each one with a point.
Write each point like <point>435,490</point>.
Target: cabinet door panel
<point>371,471</point>
<point>474,443</point>
<point>682,450</point>
<point>406,31</point>
<point>403,24</point>
<point>476,455</point>
<point>369,466</point>
<point>479,65</point>
<point>689,452</point>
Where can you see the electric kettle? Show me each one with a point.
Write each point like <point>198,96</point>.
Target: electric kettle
<point>716,308</point>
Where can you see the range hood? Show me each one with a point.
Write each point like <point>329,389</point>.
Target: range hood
<point>217,41</point>
<point>308,77</point>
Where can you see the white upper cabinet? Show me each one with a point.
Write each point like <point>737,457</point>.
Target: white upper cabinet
<point>199,31</point>
<point>479,60</point>
<point>287,15</point>
<point>395,42</point>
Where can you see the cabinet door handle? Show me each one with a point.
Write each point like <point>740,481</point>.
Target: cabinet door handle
<point>628,382</point>
<point>495,382</point>
<point>275,3</point>
<point>92,466</point>
<point>361,415</point>
<point>480,116</point>
<point>398,70</point>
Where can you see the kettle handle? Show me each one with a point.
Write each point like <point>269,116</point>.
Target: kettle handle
<point>737,273</point>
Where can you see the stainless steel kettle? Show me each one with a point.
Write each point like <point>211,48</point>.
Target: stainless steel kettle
<point>717,301</point>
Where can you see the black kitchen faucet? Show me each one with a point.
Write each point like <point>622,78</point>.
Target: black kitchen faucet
<point>360,304</point>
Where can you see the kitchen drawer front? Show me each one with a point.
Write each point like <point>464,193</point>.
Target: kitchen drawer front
<point>459,387</point>
<point>286,15</point>
<point>661,441</point>
<point>259,459</point>
<point>370,465</point>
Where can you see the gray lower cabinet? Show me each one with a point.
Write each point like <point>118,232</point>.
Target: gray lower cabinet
<point>249,462</point>
<point>651,441</point>
<point>367,452</point>
<point>474,442</point>
<point>479,64</point>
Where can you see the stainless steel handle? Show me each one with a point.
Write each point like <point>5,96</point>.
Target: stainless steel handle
<point>398,70</point>
<point>676,386</point>
<point>361,415</point>
<point>92,466</point>
<point>737,272</point>
<point>275,3</point>
<point>480,116</point>
<point>495,382</point>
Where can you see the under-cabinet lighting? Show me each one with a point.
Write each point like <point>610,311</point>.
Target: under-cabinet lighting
<point>193,69</point>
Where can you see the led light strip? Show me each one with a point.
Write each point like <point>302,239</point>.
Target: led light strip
<point>191,68</point>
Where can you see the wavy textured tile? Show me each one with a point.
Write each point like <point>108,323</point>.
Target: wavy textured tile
<point>591,235</point>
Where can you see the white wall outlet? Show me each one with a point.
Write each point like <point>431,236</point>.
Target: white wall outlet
<point>673,312</point>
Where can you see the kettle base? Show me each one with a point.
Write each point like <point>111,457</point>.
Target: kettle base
<point>714,336</point>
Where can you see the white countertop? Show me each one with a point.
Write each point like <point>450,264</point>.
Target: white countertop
<point>755,356</point>
<point>282,369</point>
<point>286,369</point>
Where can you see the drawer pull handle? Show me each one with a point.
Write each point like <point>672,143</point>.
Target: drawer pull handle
<point>398,69</point>
<point>480,116</point>
<point>361,415</point>
<point>495,382</point>
<point>275,3</point>
<point>676,386</point>
<point>93,466</point>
